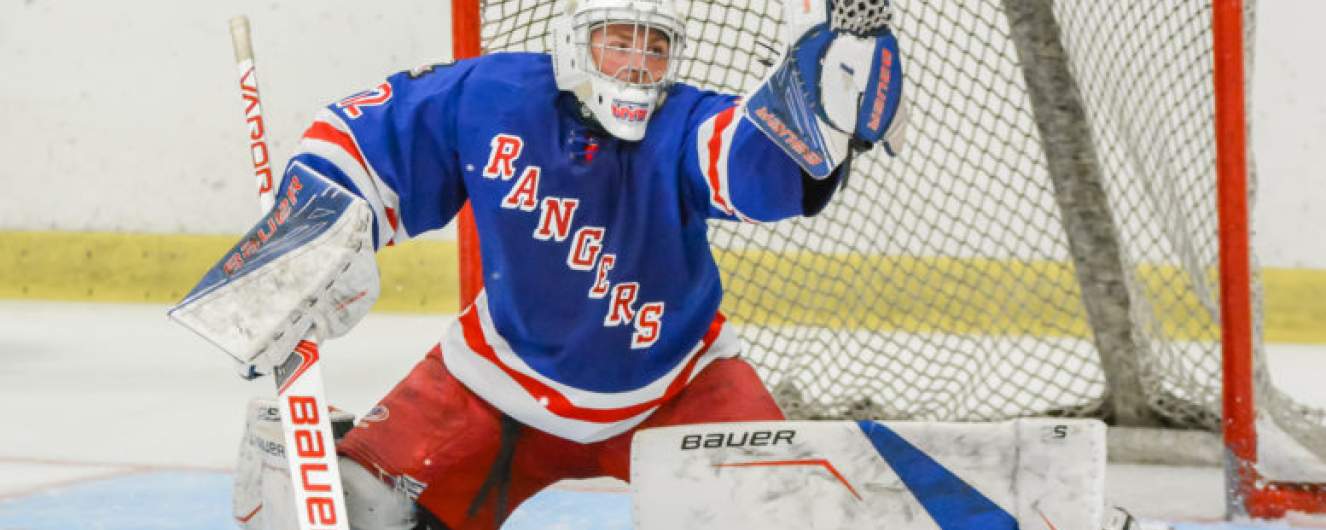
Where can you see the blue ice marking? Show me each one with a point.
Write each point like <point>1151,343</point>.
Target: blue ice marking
<point>554,509</point>
<point>158,501</point>
<point>201,501</point>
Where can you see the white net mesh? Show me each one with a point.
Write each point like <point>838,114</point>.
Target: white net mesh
<point>940,285</point>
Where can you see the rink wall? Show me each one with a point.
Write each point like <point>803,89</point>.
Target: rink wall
<point>420,276</point>
<point>127,170</point>
<point>126,157</point>
<point>127,117</point>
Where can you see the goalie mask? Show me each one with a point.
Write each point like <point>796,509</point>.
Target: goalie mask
<point>618,57</point>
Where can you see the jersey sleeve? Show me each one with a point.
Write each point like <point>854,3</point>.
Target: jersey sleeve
<point>394,146</point>
<point>736,173</point>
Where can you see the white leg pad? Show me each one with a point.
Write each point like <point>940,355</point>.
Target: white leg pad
<point>1026,473</point>
<point>264,498</point>
<point>371,503</point>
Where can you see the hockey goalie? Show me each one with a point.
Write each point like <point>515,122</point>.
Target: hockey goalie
<point>592,173</point>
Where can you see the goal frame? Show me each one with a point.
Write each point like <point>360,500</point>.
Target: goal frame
<point>1248,493</point>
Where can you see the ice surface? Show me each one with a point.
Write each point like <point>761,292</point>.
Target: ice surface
<point>119,419</point>
<point>172,500</point>
<point>179,500</point>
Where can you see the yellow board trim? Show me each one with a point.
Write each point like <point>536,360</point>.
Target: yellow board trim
<point>418,276</point>
<point>905,293</point>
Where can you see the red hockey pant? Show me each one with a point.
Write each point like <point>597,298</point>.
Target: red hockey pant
<point>433,430</point>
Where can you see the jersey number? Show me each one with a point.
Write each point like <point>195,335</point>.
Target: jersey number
<point>367,98</point>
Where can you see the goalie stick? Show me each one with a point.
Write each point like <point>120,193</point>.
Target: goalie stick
<point>305,418</point>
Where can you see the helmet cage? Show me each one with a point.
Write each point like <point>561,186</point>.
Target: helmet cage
<point>622,107</point>
<point>644,24</point>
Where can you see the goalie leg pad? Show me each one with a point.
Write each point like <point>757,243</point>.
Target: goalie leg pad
<point>1025,473</point>
<point>264,496</point>
<point>371,503</point>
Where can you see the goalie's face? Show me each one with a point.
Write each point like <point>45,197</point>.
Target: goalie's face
<point>631,52</point>
<point>618,57</point>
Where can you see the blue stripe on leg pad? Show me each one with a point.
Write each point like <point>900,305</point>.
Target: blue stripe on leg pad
<point>950,501</point>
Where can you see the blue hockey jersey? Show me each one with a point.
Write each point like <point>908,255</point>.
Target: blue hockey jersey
<point>601,295</point>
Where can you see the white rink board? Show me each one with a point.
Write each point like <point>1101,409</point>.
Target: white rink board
<point>84,120</point>
<point>848,475</point>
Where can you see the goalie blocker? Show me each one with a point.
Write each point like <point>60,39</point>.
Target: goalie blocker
<point>1026,473</point>
<point>307,267</point>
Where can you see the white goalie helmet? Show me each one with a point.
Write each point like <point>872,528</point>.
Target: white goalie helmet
<point>618,57</point>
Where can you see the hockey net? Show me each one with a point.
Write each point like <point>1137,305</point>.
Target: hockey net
<point>967,279</point>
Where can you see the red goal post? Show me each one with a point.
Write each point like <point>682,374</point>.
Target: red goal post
<point>1044,335</point>
<point>1248,490</point>
<point>465,43</point>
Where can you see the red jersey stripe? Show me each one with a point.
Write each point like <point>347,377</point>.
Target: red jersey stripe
<point>321,130</point>
<point>721,122</point>
<point>559,404</point>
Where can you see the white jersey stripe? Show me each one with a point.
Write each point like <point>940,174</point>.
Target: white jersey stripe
<point>350,167</point>
<point>715,145</point>
<point>390,227</point>
<point>502,379</point>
